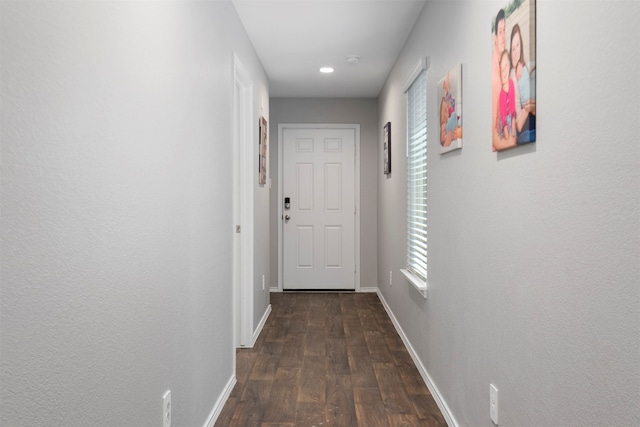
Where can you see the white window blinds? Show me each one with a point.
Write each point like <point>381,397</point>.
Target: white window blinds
<point>417,177</point>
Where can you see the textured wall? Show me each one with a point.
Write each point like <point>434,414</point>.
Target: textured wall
<point>329,110</point>
<point>116,253</point>
<point>533,252</point>
<point>262,212</point>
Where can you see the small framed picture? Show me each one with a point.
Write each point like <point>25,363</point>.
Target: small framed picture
<point>450,110</point>
<point>262,151</point>
<point>386,148</point>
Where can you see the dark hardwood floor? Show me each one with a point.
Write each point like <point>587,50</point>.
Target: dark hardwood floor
<point>328,359</point>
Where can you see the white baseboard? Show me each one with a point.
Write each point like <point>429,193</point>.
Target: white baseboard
<point>444,408</point>
<point>256,333</point>
<point>370,289</point>
<point>222,399</point>
<point>217,408</point>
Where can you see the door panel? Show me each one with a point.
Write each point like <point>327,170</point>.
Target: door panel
<point>304,247</point>
<point>304,187</point>
<point>319,236</point>
<point>333,246</point>
<point>333,188</point>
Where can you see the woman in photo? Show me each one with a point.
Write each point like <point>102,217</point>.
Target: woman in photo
<point>524,90</point>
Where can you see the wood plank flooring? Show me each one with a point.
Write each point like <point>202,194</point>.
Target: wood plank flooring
<point>328,359</point>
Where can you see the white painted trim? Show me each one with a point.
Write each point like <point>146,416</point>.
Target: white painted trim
<point>417,283</point>
<point>356,128</point>
<point>245,192</point>
<point>421,65</point>
<point>281,127</point>
<point>274,289</point>
<point>368,289</point>
<point>258,330</point>
<point>357,196</point>
<point>222,399</point>
<point>442,404</point>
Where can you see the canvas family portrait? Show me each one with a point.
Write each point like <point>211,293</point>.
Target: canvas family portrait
<point>450,109</point>
<point>386,153</point>
<point>262,151</point>
<point>513,75</point>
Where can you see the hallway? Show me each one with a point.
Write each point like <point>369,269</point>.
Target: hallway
<point>328,360</point>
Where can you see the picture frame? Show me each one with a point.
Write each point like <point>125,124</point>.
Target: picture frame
<point>262,151</point>
<point>449,93</point>
<point>386,148</point>
<point>513,75</point>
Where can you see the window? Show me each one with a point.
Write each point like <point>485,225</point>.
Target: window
<point>416,95</point>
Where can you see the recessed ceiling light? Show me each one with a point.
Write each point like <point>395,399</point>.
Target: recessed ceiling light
<point>326,70</point>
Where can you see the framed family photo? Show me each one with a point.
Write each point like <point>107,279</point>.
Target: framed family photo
<point>262,151</point>
<point>450,110</point>
<point>386,148</point>
<point>513,75</point>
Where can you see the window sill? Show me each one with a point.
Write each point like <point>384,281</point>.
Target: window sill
<point>417,283</point>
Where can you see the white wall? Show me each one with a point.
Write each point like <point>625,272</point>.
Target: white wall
<point>116,219</point>
<point>360,111</point>
<point>533,252</point>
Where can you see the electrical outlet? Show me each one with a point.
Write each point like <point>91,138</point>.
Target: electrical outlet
<point>390,278</point>
<point>263,282</point>
<point>166,409</point>
<point>493,403</point>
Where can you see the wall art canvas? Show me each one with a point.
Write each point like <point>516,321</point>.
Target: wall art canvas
<point>386,148</point>
<point>262,150</point>
<point>450,109</point>
<point>513,75</point>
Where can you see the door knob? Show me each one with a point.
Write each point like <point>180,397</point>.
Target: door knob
<point>287,217</point>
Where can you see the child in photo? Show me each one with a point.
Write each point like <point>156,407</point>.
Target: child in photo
<point>507,101</point>
<point>450,130</point>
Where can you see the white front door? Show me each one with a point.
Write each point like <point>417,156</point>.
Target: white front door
<point>319,223</point>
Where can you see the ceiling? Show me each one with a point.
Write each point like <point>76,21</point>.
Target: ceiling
<point>294,38</point>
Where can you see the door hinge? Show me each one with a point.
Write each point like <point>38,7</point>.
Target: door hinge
<point>237,229</point>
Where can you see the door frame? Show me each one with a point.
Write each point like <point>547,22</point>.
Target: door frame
<point>281,128</point>
<point>242,206</point>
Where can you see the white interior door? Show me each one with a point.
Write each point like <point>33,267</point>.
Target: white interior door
<point>319,223</point>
